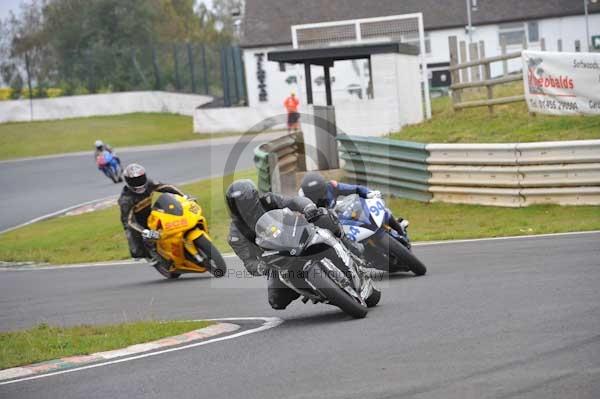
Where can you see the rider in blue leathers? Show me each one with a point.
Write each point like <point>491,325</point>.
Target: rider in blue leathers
<point>100,148</point>
<point>325,193</point>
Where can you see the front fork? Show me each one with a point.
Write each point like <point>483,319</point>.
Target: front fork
<point>403,238</point>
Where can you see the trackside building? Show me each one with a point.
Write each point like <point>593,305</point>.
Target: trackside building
<point>266,27</point>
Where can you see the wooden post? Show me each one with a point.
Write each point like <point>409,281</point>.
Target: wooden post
<point>504,62</point>
<point>559,45</point>
<point>577,46</point>
<point>464,73</point>
<point>524,42</point>
<point>474,56</point>
<point>454,75</point>
<point>543,44</point>
<point>481,57</point>
<point>487,75</point>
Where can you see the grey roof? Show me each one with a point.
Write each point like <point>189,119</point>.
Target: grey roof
<point>325,56</point>
<point>267,22</point>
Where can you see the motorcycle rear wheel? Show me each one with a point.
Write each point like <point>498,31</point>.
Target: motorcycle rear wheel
<point>217,266</point>
<point>335,294</point>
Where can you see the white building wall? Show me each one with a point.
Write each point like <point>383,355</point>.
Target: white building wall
<point>345,73</point>
<point>101,104</point>
<point>346,76</point>
<point>569,29</point>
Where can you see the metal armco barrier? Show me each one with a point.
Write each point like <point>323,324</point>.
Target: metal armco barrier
<point>277,163</point>
<point>397,167</point>
<point>566,173</point>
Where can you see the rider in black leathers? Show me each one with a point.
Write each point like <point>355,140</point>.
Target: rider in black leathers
<point>246,206</point>
<point>135,203</point>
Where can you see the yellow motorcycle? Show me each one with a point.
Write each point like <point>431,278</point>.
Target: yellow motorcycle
<point>184,241</point>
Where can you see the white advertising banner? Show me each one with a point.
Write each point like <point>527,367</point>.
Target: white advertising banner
<point>562,83</point>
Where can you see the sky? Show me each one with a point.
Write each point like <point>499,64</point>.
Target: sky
<point>13,5</point>
<point>8,5</point>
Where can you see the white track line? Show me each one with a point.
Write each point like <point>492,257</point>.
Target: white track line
<point>266,136</point>
<point>426,243</point>
<point>57,213</point>
<point>30,267</point>
<point>92,202</point>
<point>269,322</point>
<point>232,256</point>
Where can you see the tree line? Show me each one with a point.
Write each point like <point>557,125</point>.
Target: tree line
<point>88,46</point>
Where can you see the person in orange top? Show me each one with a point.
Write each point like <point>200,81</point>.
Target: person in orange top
<point>291,105</point>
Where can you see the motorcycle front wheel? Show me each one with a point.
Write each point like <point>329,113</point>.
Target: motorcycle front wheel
<point>319,278</point>
<point>400,256</point>
<point>216,266</point>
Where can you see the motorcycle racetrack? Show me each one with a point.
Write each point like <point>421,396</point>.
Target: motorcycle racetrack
<point>39,186</point>
<point>501,318</point>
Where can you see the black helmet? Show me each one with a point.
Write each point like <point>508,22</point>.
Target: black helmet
<point>314,188</point>
<point>243,202</point>
<point>135,178</point>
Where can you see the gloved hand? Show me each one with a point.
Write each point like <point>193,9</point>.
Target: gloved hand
<point>311,212</point>
<point>257,268</point>
<point>374,194</point>
<point>148,234</point>
<point>262,268</point>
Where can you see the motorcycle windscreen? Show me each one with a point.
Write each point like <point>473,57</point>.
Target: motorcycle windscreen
<point>352,207</point>
<point>167,203</point>
<point>283,230</point>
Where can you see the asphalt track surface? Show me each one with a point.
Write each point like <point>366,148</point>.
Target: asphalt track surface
<point>35,187</point>
<point>514,318</point>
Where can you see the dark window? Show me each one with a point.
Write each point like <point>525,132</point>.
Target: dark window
<point>533,31</point>
<point>512,33</point>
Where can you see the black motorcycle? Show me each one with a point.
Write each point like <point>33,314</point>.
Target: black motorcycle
<point>314,262</point>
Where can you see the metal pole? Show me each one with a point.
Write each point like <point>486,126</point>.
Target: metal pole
<point>205,71</point>
<point>225,78</point>
<point>235,80</point>
<point>470,25</point>
<point>27,69</point>
<point>308,79</point>
<point>327,85</point>
<point>156,68</point>
<point>191,65</point>
<point>587,25</point>
<point>176,65</point>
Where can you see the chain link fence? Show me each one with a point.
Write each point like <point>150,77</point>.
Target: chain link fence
<point>196,68</point>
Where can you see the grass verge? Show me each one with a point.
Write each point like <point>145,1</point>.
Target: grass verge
<point>98,236</point>
<point>27,139</point>
<point>45,342</point>
<point>509,123</point>
<point>442,221</point>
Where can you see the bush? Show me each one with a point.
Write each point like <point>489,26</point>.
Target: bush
<point>5,93</point>
<point>54,92</point>
<point>80,90</point>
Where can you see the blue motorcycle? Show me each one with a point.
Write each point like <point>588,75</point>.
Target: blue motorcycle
<point>109,164</point>
<point>365,221</point>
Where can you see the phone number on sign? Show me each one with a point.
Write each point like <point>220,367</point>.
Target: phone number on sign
<point>556,105</point>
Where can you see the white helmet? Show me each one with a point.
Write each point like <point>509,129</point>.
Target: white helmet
<point>135,178</point>
<point>99,144</point>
